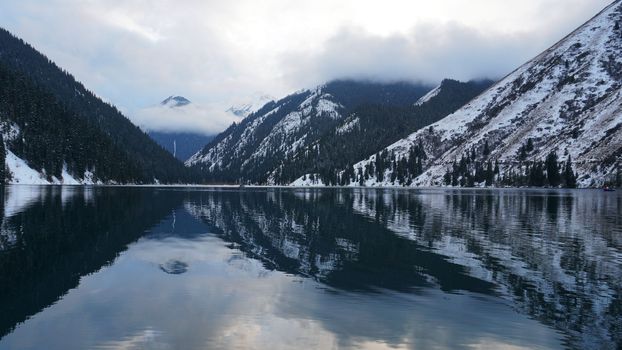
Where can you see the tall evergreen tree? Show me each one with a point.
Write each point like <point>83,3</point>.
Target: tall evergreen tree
<point>570,179</point>
<point>2,161</point>
<point>552,169</point>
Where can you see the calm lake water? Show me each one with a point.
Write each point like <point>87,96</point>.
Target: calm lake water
<point>162,268</point>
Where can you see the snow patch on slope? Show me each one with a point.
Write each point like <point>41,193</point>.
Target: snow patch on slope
<point>309,180</point>
<point>430,95</point>
<point>22,174</point>
<point>348,126</point>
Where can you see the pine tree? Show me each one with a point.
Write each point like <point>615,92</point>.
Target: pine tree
<point>570,179</point>
<point>529,146</point>
<point>552,169</point>
<point>486,149</point>
<point>447,178</point>
<point>490,175</point>
<point>2,161</point>
<point>522,153</point>
<point>536,175</point>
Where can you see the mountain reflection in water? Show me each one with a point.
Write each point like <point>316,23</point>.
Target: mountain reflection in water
<point>316,268</point>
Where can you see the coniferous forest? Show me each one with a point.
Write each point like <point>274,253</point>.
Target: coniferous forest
<point>62,124</point>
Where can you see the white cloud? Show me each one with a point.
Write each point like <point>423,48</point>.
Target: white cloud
<point>429,53</point>
<point>136,52</point>
<point>189,118</point>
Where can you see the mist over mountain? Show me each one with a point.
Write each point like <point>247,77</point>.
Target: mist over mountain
<point>178,114</point>
<point>175,101</point>
<point>244,109</point>
<point>184,144</point>
<point>216,53</point>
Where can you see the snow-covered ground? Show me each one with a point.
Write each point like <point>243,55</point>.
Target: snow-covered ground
<point>22,174</point>
<point>310,180</point>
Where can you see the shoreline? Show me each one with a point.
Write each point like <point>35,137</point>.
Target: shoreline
<point>224,186</point>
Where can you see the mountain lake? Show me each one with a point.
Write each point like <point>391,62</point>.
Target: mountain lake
<point>279,268</point>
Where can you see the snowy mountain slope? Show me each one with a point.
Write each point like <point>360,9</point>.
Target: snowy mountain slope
<point>19,172</point>
<point>567,100</point>
<point>255,148</point>
<point>325,129</point>
<point>234,142</point>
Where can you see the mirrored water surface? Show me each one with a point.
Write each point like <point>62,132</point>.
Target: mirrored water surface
<point>166,268</point>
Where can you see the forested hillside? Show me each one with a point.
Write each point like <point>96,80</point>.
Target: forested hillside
<point>325,129</point>
<point>373,126</point>
<point>52,122</point>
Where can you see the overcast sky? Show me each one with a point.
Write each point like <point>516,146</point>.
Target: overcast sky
<point>135,53</point>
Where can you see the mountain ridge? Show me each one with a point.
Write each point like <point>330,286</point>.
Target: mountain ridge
<point>565,103</point>
<point>279,142</point>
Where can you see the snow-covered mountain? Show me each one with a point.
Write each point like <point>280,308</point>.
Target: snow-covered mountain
<point>565,105</point>
<point>175,101</point>
<point>323,129</point>
<point>243,110</point>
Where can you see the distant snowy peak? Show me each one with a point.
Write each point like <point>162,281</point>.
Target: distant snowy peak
<point>245,109</point>
<point>175,101</point>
